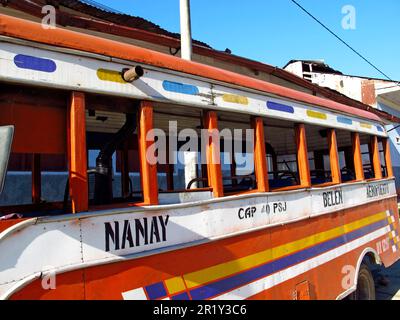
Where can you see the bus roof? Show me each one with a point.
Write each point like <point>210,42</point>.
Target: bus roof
<point>32,31</point>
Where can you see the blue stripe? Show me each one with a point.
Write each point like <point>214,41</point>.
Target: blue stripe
<point>181,296</point>
<point>34,63</point>
<point>156,291</point>
<point>279,107</point>
<point>344,120</point>
<point>180,88</point>
<point>380,129</point>
<point>249,276</point>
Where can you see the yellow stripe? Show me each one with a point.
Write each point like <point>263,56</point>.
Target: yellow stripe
<point>228,268</point>
<point>175,285</point>
<point>232,98</point>
<point>317,115</point>
<point>110,75</point>
<point>365,125</point>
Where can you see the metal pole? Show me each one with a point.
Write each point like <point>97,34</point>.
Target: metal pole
<point>186,32</point>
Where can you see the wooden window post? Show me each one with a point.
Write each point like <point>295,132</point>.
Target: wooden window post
<point>260,157</point>
<point>148,171</point>
<point>375,157</point>
<point>358,164</point>
<point>78,181</point>
<point>213,153</point>
<point>334,157</point>
<point>302,156</point>
<point>388,159</point>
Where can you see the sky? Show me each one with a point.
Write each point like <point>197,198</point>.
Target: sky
<point>277,31</point>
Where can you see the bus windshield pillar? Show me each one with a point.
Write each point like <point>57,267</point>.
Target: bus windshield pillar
<point>78,182</point>
<point>376,161</point>
<point>148,167</point>
<point>302,156</point>
<point>260,157</point>
<point>213,154</point>
<point>358,164</point>
<point>388,159</point>
<point>334,157</point>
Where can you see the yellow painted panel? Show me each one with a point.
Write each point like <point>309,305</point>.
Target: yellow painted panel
<point>232,98</point>
<point>110,75</point>
<point>222,270</point>
<point>316,115</point>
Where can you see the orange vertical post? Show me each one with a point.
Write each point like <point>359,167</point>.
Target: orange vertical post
<point>358,164</point>
<point>148,167</point>
<point>302,156</point>
<point>213,154</point>
<point>376,161</point>
<point>388,158</point>
<point>78,181</point>
<point>334,157</point>
<point>36,179</point>
<point>260,157</point>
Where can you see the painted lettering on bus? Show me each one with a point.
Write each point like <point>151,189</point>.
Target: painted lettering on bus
<point>120,235</point>
<point>246,213</point>
<point>377,190</point>
<point>332,198</point>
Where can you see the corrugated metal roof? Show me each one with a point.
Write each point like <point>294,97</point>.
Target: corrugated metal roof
<point>102,12</point>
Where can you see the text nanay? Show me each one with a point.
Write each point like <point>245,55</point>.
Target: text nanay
<point>138,232</point>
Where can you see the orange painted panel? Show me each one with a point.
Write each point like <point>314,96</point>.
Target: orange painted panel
<point>325,282</point>
<point>334,157</point>
<point>358,165</point>
<point>260,158</point>
<point>210,121</point>
<point>148,173</point>
<point>38,129</point>
<point>77,153</point>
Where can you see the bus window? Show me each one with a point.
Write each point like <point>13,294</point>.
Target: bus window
<point>319,155</point>
<point>112,144</point>
<point>37,173</point>
<point>367,156</point>
<point>180,167</point>
<point>237,153</point>
<point>281,150</point>
<point>346,157</point>
<point>382,159</point>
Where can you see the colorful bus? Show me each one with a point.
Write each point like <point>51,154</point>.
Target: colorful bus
<point>306,215</point>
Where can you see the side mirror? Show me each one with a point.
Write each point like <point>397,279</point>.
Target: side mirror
<point>6,138</point>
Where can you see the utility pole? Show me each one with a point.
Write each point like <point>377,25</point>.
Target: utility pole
<point>186,31</point>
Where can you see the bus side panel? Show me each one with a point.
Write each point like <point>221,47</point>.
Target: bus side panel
<point>321,254</point>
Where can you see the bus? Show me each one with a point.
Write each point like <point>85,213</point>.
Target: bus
<point>108,194</point>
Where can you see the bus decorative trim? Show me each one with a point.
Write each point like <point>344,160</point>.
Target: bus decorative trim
<point>222,279</point>
<point>201,277</point>
<point>177,87</point>
<point>234,98</point>
<point>366,125</point>
<point>88,74</point>
<point>316,115</point>
<point>23,61</point>
<point>344,120</point>
<point>110,75</point>
<point>279,107</point>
